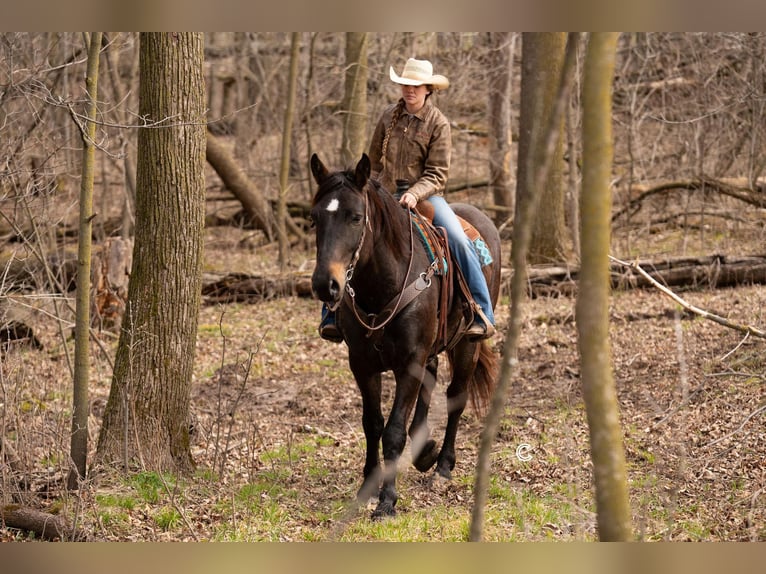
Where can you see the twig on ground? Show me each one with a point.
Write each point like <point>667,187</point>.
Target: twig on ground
<point>757,411</point>
<point>742,342</point>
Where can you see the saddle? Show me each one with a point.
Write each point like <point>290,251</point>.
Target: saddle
<point>437,245</point>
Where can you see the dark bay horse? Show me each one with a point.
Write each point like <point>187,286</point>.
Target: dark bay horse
<point>367,253</point>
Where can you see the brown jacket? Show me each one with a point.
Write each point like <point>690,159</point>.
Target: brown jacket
<point>419,149</point>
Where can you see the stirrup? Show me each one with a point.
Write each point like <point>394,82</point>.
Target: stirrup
<point>481,328</point>
<point>478,331</point>
<point>330,332</point>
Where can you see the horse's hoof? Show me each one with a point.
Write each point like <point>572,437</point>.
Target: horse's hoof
<point>384,510</point>
<point>427,456</point>
<point>438,482</point>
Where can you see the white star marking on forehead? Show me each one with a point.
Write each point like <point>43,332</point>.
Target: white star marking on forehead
<point>333,205</point>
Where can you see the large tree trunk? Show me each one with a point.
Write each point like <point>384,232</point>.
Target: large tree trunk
<point>146,417</point>
<point>542,58</point>
<point>592,309</point>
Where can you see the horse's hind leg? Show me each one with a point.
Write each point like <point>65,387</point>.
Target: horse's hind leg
<point>464,364</point>
<point>424,449</point>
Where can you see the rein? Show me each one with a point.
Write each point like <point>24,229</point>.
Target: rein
<point>406,294</point>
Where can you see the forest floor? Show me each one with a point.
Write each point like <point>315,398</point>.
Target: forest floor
<point>279,445</point>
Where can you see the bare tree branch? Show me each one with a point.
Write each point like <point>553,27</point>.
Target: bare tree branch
<point>688,306</point>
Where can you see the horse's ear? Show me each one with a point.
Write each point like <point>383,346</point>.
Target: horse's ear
<point>318,169</point>
<point>362,173</point>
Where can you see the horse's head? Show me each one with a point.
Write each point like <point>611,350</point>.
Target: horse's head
<point>339,213</point>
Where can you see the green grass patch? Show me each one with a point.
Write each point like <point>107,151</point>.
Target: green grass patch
<point>513,514</point>
<point>124,502</point>
<point>114,519</point>
<point>167,518</point>
<point>692,529</point>
<point>251,494</point>
<point>150,485</point>
<point>436,523</point>
<point>262,519</point>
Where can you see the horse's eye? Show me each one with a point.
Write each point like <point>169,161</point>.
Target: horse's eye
<point>356,219</point>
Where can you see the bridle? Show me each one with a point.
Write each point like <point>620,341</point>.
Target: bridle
<point>406,294</point>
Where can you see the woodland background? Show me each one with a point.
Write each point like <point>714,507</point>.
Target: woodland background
<point>277,431</point>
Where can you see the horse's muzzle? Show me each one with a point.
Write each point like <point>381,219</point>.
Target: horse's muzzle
<point>327,283</point>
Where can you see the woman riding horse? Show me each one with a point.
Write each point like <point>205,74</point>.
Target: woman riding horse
<point>378,277</point>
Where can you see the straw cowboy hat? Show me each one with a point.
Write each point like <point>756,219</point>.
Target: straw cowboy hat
<point>417,73</point>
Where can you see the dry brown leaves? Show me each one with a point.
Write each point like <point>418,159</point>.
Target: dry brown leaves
<point>277,412</point>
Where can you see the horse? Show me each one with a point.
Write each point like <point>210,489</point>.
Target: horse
<point>367,256</point>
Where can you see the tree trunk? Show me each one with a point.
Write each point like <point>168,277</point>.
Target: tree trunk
<point>592,308</point>
<point>80,410</point>
<point>146,417</point>
<point>500,90</point>
<point>542,58</point>
<point>354,105</point>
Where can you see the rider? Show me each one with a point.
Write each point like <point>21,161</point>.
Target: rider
<point>410,152</point>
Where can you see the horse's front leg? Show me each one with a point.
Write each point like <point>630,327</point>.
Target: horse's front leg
<point>372,421</point>
<point>408,381</point>
<point>424,449</point>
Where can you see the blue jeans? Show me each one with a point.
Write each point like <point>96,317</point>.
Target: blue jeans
<point>464,252</point>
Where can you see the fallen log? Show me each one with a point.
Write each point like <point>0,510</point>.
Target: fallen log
<point>45,525</point>
<point>737,188</point>
<point>714,271</point>
<point>237,181</point>
<point>245,288</point>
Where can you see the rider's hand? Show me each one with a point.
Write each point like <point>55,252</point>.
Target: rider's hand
<point>408,200</point>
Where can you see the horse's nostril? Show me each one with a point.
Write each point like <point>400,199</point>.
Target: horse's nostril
<point>326,288</point>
